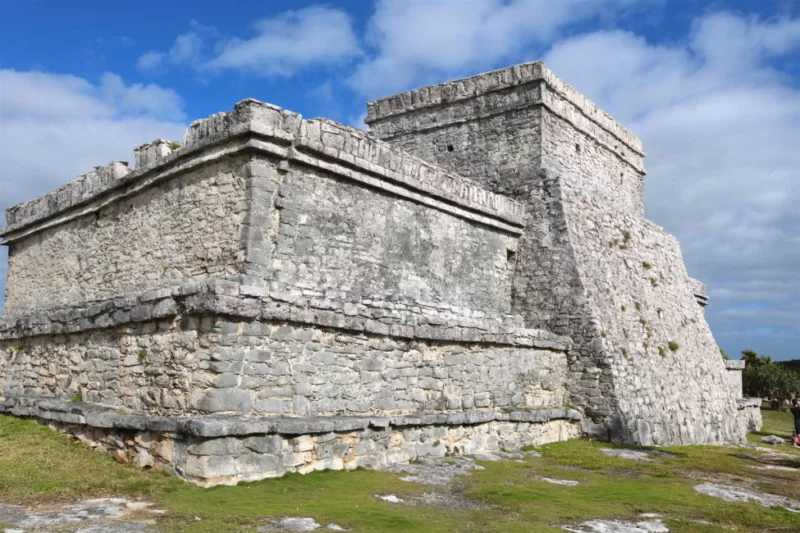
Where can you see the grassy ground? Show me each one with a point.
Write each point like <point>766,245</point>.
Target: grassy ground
<point>41,468</point>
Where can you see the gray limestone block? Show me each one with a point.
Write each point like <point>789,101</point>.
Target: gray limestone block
<point>260,463</point>
<point>224,446</point>
<point>210,466</point>
<point>227,380</point>
<point>274,405</point>
<point>264,444</point>
<point>220,400</point>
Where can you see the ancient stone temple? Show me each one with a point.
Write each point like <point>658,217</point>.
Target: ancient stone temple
<point>277,294</point>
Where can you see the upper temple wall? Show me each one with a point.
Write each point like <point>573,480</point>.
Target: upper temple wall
<point>276,130</point>
<point>181,229</point>
<point>318,211</point>
<point>336,241</point>
<point>499,127</point>
<point>384,115</point>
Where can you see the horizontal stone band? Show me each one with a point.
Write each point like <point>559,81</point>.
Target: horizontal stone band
<point>234,425</point>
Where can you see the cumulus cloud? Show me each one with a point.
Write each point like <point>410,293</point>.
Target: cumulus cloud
<point>281,46</point>
<point>291,41</point>
<point>187,48</point>
<point>150,60</point>
<point>720,124</point>
<point>54,127</point>
<point>420,41</point>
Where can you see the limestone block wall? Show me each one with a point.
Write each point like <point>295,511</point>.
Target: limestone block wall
<point>340,241</point>
<point>644,366</point>
<point>183,365</point>
<point>492,149</point>
<point>190,227</point>
<point>226,450</point>
<point>320,212</point>
<point>357,279</point>
<point>650,327</point>
<point>733,376</point>
<point>639,296</point>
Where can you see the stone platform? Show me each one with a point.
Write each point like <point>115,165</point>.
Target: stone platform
<point>227,449</point>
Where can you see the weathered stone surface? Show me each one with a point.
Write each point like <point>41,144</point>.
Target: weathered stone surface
<point>563,482</point>
<point>636,455</point>
<point>435,470</point>
<point>282,369</point>
<point>279,294</point>
<point>292,524</point>
<point>773,439</point>
<point>738,494</point>
<point>92,514</point>
<point>644,365</point>
<point>618,526</point>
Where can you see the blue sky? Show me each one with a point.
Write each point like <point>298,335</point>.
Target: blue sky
<point>713,89</point>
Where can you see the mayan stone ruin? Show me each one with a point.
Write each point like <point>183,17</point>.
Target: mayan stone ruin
<point>276,294</point>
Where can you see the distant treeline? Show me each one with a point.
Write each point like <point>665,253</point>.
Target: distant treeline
<point>764,378</point>
<point>793,365</point>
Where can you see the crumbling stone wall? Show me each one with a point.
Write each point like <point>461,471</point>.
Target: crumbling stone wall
<point>279,369</point>
<point>590,266</point>
<point>184,229</point>
<point>278,294</point>
<point>336,238</point>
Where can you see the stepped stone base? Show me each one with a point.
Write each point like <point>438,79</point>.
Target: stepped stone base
<point>224,450</point>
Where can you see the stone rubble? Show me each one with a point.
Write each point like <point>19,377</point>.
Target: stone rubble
<point>635,455</point>
<point>298,524</point>
<point>618,526</point>
<point>738,494</point>
<point>103,514</point>
<point>564,482</point>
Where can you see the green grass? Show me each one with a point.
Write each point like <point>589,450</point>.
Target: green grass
<point>780,423</point>
<point>41,467</point>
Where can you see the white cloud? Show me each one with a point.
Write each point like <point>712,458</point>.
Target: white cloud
<point>187,48</point>
<point>720,125</point>
<point>150,60</point>
<point>140,99</point>
<point>728,41</point>
<point>421,41</point>
<point>54,127</point>
<point>291,41</point>
<point>282,45</point>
